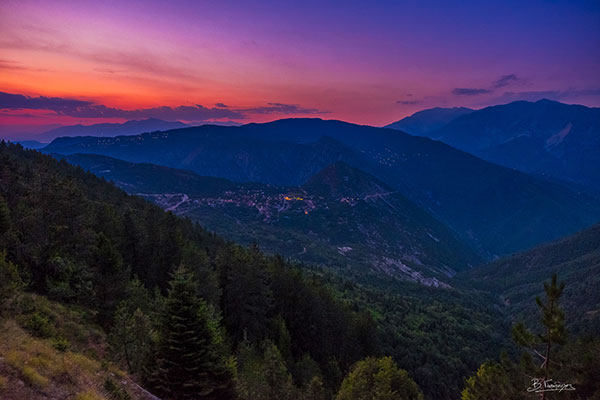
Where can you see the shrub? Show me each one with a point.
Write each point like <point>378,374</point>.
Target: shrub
<point>60,343</point>
<point>115,392</point>
<point>39,326</point>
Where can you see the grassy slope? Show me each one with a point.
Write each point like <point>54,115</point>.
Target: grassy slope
<point>34,367</point>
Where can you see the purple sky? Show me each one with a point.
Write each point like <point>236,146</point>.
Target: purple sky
<point>365,62</point>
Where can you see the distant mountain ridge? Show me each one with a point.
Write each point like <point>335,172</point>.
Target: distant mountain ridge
<point>544,137</point>
<point>342,217</point>
<point>132,127</point>
<point>31,144</point>
<point>424,122</point>
<point>496,209</point>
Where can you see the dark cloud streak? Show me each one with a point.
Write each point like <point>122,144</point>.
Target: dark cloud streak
<point>469,91</point>
<point>281,108</point>
<point>505,80</point>
<point>58,104</point>
<point>86,109</point>
<point>409,102</point>
<point>186,113</point>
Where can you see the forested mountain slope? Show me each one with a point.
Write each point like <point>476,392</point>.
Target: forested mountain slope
<point>498,210</point>
<point>341,218</point>
<point>79,240</point>
<point>518,278</point>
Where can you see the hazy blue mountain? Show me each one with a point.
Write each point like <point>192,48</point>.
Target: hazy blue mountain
<point>498,210</point>
<point>211,150</point>
<point>31,144</point>
<point>545,137</point>
<point>150,178</point>
<point>518,278</point>
<point>422,123</point>
<point>133,127</point>
<point>342,217</point>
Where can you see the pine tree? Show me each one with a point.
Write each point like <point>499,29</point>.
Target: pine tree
<point>129,337</point>
<point>314,390</point>
<point>198,261</point>
<point>10,281</point>
<point>4,216</point>
<point>554,330</point>
<point>508,379</point>
<point>247,297</point>
<point>132,336</point>
<point>189,364</point>
<point>110,277</point>
<point>263,374</point>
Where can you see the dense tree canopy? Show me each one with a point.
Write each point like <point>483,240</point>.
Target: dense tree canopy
<point>77,239</point>
<point>378,379</point>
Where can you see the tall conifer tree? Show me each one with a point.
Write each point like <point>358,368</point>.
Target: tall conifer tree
<point>189,364</point>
